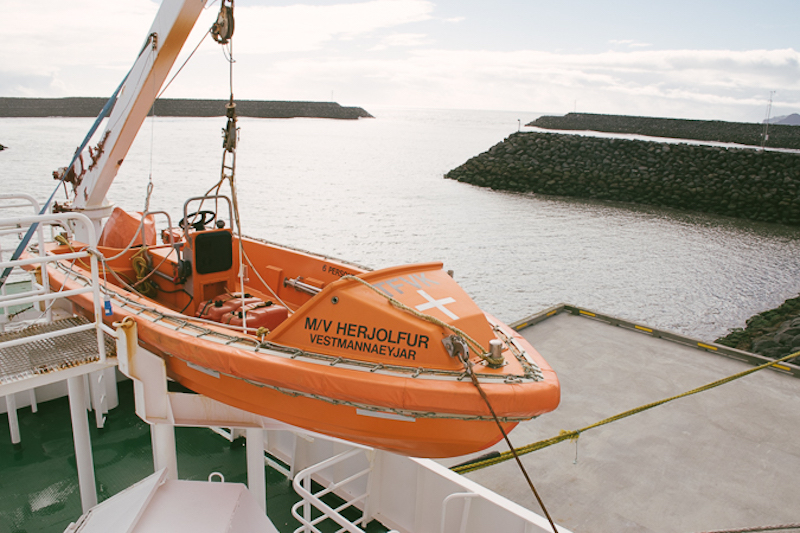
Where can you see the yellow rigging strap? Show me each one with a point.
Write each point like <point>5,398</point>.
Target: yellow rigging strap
<point>575,434</point>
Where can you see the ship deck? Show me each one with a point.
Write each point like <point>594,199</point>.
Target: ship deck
<point>726,458</point>
<point>39,483</point>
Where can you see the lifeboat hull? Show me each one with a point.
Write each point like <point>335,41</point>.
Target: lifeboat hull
<point>420,403</point>
<point>402,434</point>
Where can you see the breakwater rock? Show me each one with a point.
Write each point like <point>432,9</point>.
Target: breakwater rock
<point>743,183</point>
<point>747,133</point>
<point>774,333</point>
<point>169,107</point>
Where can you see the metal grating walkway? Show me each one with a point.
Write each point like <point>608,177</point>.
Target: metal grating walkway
<point>48,355</point>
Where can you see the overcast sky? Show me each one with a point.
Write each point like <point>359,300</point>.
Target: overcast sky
<point>679,58</point>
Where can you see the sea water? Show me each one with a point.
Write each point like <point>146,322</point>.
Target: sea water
<point>372,191</point>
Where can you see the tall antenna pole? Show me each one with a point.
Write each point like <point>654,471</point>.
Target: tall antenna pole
<point>765,135</point>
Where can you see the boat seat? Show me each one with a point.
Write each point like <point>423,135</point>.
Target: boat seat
<point>213,269</point>
<point>213,252</point>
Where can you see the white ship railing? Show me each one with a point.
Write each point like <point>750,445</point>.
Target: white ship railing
<point>21,372</point>
<point>29,202</point>
<point>302,484</point>
<point>402,493</point>
<point>41,292</point>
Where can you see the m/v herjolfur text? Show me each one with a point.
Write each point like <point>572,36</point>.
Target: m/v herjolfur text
<point>382,337</point>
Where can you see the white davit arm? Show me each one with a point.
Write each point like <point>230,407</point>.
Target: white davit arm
<point>97,167</point>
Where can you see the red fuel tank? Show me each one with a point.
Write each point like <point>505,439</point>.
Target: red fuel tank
<point>259,315</point>
<point>228,309</point>
<point>216,308</point>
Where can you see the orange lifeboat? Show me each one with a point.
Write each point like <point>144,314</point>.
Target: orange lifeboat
<point>374,357</point>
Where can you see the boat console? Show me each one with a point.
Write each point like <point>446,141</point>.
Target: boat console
<point>214,278</point>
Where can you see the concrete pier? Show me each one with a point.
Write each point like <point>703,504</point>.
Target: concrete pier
<point>724,458</point>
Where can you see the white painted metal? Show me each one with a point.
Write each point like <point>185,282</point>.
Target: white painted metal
<point>32,399</point>
<point>49,335</point>
<point>122,511</point>
<point>110,380</point>
<point>158,504</point>
<point>467,498</point>
<point>406,494</point>
<point>409,495</point>
<point>256,477</point>
<point>97,393</point>
<point>165,455</point>
<point>3,310</point>
<point>407,480</point>
<point>48,297</point>
<point>66,219</point>
<point>33,204</point>
<point>164,410</point>
<point>302,486</point>
<point>82,441</point>
<point>41,293</point>
<point>13,421</point>
<point>34,292</point>
<point>52,378</point>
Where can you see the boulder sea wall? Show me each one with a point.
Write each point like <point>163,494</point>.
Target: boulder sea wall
<point>743,183</point>
<point>746,133</point>
<point>169,107</point>
<point>774,333</point>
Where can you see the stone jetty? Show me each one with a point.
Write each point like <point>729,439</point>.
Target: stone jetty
<point>168,107</point>
<point>746,133</point>
<point>744,183</point>
<point>774,333</point>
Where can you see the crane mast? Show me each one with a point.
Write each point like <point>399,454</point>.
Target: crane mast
<point>94,171</point>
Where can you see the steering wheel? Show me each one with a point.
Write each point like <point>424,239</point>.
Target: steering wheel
<point>206,217</point>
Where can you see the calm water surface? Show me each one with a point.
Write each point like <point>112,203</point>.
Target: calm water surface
<point>371,191</point>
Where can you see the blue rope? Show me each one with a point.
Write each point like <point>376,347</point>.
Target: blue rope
<point>24,243</point>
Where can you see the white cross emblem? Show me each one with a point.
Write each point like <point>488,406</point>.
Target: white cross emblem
<point>438,304</point>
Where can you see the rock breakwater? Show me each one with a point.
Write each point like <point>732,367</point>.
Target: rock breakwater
<point>743,183</point>
<point>168,107</point>
<point>747,133</point>
<point>774,333</point>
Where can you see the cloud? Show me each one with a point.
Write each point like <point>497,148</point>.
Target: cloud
<point>301,28</point>
<point>402,40</point>
<point>55,51</point>
<point>629,43</point>
<point>47,34</point>
<point>373,52</point>
<point>86,48</point>
<point>695,83</point>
